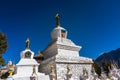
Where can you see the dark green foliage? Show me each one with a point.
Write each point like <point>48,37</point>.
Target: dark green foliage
<point>3,47</point>
<point>106,67</point>
<point>3,43</point>
<point>97,68</point>
<point>4,76</point>
<point>2,62</point>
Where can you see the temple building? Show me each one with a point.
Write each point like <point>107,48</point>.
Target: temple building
<point>39,57</point>
<point>61,57</point>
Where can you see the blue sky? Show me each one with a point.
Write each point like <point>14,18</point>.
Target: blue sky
<point>92,24</point>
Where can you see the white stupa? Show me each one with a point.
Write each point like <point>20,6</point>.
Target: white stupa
<point>27,67</point>
<point>62,53</point>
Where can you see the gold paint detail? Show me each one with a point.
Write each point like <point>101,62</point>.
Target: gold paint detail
<point>57,20</point>
<point>28,43</point>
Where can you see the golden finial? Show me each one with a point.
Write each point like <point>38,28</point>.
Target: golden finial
<point>68,69</point>
<point>27,43</point>
<point>53,72</point>
<point>10,73</point>
<point>52,69</point>
<point>34,73</point>
<point>57,20</point>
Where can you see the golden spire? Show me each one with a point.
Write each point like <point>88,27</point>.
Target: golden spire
<point>52,69</point>
<point>27,43</point>
<point>53,72</point>
<point>57,20</point>
<point>68,69</point>
<point>34,73</point>
<point>10,73</point>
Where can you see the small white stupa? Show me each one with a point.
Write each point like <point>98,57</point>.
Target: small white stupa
<point>27,66</point>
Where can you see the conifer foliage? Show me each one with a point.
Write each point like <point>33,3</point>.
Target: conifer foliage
<point>97,68</point>
<point>3,47</point>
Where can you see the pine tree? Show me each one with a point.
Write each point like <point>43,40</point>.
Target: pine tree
<point>97,68</point>
<point>106,66</point>
<point>3,47</point>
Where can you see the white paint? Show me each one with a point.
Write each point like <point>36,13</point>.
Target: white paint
<point>24,68</point>
<point>62,52</point>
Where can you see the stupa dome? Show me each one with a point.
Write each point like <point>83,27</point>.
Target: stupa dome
<point>58,31</point>
<point>27,53</point>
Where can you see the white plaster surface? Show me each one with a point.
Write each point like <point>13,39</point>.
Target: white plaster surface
<point>24,68</point>
<point>62,52</point>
